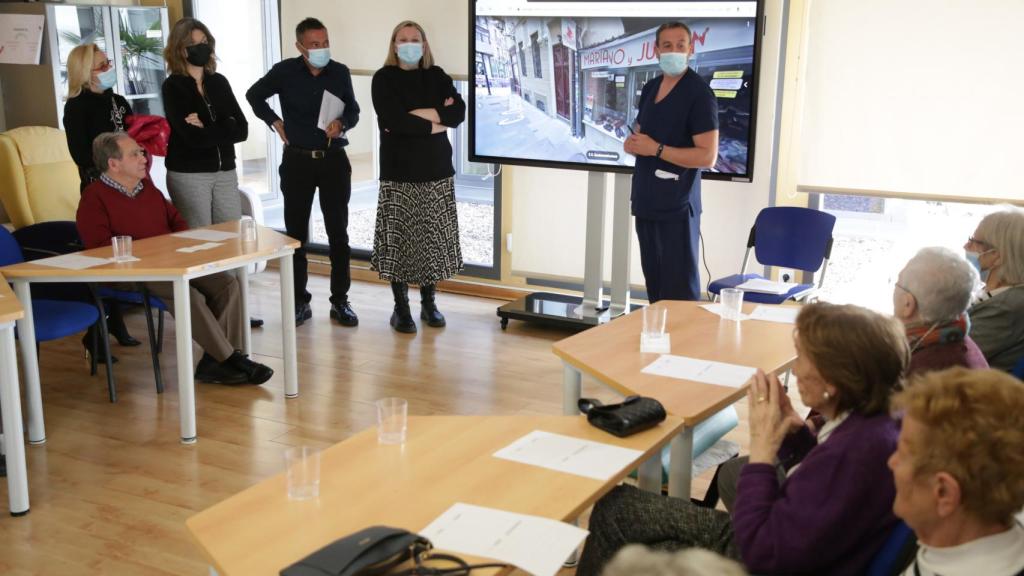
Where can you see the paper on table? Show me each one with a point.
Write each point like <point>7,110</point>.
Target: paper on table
<point>209,235</point>
<point>707,371</point>
<point>716,309</point>
<point>331,108</point>
<point>781,314</point>
<point>198,247</point>
<point>567,454</point>
<point>767,286</point>
<point>73,261</point>
<point>537,545</point>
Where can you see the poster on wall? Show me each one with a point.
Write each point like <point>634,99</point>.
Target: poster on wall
<point>21,38</point>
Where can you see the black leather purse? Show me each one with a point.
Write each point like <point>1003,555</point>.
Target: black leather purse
<point>634,414</point>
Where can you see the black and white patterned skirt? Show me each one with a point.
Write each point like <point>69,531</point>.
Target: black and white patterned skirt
<point>416,238</point>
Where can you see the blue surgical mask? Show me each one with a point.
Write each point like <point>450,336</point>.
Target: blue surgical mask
<point>410,52</point>
<point>319,57</point>
<point>672,63</point>
<point>975,259</point>
<point>106,79</point>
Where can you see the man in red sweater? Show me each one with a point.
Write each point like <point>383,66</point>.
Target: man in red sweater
<point>123,202</point>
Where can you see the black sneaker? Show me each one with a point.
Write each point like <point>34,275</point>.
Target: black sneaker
<point>210,371</point>
<point>344,314</point>
<point>257,373</point>
<point>302,313</point>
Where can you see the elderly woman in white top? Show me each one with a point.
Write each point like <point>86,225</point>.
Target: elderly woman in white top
<point>997,320</point>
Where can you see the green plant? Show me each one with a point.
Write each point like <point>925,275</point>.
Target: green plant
<point>135,47</point>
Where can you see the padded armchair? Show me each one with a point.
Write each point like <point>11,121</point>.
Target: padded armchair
<point>38,179</point>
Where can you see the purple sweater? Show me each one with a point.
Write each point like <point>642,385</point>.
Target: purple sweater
<point>832,514</point>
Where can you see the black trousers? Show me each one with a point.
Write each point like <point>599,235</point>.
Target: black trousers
<point>668,257</point>
<point>301,176</point>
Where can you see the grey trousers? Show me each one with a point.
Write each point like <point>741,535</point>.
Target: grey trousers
<point>216,307</point>
<point>205,198</point>
<point>628,515</point>
<point>729,477</point>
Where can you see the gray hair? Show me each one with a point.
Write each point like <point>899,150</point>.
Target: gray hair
<point>106,146</point>
<point>941,281</point>
<point>1004,231</point>
<point>638,560</point>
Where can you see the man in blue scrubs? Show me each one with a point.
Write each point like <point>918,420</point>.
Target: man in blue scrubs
<point>675,136</point>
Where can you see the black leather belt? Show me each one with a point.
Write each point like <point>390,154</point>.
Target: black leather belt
<point>314,154</point>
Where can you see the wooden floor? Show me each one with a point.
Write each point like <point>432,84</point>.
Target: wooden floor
<point>111,488</point>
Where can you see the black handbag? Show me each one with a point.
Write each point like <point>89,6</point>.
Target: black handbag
<point>378,550</point>
<point>634,414</point>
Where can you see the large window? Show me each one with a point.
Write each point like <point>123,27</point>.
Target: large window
<point>535,50</point>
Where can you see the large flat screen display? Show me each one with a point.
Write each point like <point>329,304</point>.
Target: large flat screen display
<point>557,82</point>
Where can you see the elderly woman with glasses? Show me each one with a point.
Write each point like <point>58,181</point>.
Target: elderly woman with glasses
<point>997,319</point>
<point>832,509</point>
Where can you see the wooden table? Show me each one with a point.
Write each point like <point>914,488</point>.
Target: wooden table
<point>10,403</point>
<point>447,459</point>
<point>610,353</point>
<point>159,261</point>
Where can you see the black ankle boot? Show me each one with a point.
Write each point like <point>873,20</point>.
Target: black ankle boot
<point>90,348</point>
<point>428,308</point>
<point>401,319</point>
<point>116,326</point>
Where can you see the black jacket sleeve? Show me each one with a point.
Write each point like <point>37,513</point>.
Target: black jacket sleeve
<point>451,116</point>
<point>350,117</point>
<point>391,113</point>
<point>76,130</point>
<point>263,89</point>
<point>235,126</point>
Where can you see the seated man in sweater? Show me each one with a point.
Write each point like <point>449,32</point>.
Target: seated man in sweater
<point>123,202</point>
<point>957,469</point>
<point>931,298</point>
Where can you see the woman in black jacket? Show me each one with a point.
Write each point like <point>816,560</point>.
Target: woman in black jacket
<point>206,122</point>
<point>417,233</point>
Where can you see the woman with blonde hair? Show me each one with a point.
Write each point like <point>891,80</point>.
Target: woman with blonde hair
<point>416,239</point>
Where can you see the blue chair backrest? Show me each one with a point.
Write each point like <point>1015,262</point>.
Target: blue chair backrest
<point>892,551</point>
<point>1018,370</point>
<point>10,252</point>
<point>792,237</point>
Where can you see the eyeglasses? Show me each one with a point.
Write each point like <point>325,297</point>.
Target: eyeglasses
<point>105,65</point>
<point>138,153</point>
<point>904,288</point>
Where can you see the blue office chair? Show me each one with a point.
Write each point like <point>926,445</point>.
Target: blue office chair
<point>896,553</point>
<point>1018,370</point>
<point>788,237</point>
<point>54,319</point>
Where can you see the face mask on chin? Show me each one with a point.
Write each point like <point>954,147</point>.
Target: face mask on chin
<point>318,57</point>
<point>106,79</point>
<point>975,259</point>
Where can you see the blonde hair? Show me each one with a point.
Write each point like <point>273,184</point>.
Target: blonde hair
<point>970,430</point>
<point>392,60</point>
<point>638,560</point>
<point>80,68</point>
<point>180,38</point>
<point>1004,231</point>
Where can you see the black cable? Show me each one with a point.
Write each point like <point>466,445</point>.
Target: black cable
<point>704,258</point>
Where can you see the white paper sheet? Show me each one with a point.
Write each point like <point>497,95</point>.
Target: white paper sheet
<point>767,286</point>
<point>208,235</point>
<point>567,454</point>
<point>198,247</point>
<point>716,309</point>
<point>780,314</point>
<point>537,545</point>
<point>21,38</point>
<point>73,261</point>
<point>706,371</point>
<point>331,108</point>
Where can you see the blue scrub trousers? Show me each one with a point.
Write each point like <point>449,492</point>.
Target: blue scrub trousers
<point>668,257</point>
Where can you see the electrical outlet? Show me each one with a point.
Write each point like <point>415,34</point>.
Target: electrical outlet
<point>787,275</point>
<point>508,242</point>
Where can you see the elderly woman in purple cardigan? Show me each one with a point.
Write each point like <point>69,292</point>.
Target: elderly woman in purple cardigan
<point>816,495</point>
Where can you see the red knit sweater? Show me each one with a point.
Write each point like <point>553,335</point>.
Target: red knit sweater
<point>104,213</point>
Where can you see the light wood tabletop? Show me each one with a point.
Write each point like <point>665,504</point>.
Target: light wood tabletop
<point>10,308</point>
<point>159,255</point>
<point>446,459</point>
<point>611,354</point>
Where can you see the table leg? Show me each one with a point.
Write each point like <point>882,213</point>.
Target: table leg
<point>649,475</point>
<point>681,464</point>
<point>186,384</point>
<point>30,364</point>
<point>291,362</point>
<point>571,385</point>
<point>10,406</point>
<point>243,288</point>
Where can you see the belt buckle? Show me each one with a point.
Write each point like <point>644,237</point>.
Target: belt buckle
<point>318,154</point>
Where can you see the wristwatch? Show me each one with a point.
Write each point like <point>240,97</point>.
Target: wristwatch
<point>661,148</point>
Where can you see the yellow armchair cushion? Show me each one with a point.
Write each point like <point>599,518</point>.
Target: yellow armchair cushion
<point>38,179</point>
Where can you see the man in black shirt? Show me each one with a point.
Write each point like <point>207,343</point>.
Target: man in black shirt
<point>313,157</point>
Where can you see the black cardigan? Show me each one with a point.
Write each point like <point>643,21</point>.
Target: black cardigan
<point>408,151</point>
<point>88,115</point>
<point>210,148</point>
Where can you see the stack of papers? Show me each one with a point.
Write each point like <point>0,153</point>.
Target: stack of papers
<point>697,370</point>
<point>73,261</point>
<point>208,235</point>
<point>537,545</point>
<point>781,314</point>
<point>767,286</point>
<point>198,247</point>
<point>567,454</point>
